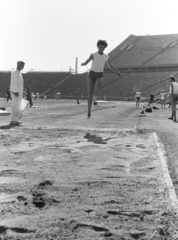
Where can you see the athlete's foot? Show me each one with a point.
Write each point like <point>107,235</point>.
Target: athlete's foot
<point>15,123</point>
<point>88,116</point>
<point>171,118</point>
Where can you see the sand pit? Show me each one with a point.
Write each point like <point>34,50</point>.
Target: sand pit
<point>80,179</point>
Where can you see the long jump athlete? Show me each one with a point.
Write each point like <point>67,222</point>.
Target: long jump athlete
<point>95,75</point>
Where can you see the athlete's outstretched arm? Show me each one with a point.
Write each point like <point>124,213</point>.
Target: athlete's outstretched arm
<point>113,68</point>
<point>88,60</point>
<point>134,89</point>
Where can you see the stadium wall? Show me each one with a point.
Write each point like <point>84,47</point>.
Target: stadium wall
<point>114,87</point>
<point>38,81</point>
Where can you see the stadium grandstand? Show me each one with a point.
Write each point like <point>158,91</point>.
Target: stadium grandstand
<point>144,61</point>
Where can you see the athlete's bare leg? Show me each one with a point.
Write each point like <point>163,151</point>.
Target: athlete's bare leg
<point>90,85</point>
<point>93,87</point>
<point>97,88</point>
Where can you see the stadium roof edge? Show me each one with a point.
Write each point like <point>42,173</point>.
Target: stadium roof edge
<point>122,43</point>
<point>141,36</point>
<point>147,50</point>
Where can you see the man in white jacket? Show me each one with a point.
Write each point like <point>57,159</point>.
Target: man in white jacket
<point>16,89</point>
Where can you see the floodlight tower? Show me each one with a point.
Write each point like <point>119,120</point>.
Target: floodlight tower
<point>76,65</point>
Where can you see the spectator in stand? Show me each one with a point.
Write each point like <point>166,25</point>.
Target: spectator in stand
<point>16,89</point>
<point>174,97</point>
<point>95,76</point>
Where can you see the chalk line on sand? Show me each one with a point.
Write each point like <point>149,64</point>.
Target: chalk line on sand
<point>169,183</point>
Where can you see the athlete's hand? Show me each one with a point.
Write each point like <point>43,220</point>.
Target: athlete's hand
<point>83,64</point>
<point>16,94</point>
<point>119,74</point>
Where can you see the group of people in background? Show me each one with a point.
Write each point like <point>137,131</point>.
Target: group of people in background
<point>94,83</point>
<point>162,96</point>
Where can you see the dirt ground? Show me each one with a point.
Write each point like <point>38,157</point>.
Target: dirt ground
<point>63,176</point>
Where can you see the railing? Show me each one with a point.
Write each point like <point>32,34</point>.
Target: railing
<point>105,98</point>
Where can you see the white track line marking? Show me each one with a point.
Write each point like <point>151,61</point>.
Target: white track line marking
<point>161,153</point>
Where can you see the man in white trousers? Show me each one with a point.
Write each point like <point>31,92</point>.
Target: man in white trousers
<point>16,89</point>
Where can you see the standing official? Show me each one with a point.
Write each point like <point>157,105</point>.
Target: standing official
<point>174,97</point>
<point>16,89</point>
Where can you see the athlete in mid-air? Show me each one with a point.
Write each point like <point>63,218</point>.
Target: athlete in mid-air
<point>95,75</point>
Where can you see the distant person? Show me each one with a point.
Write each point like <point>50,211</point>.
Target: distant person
<point>162,98</point>
<point>37,95</point>
<point>137,97</point>
<point>174,97</point>
<point>34,96</point>
<point>77,95</point>
<point>8,95</point>
<point>29,96</point>
<point>42,96</point>
<point>152,96</point>
<point>16,89</point>
<point>95,76</point>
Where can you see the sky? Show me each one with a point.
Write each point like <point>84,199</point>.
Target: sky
<point>50,34</point>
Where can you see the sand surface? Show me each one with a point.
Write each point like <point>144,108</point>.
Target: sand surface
<point>63,176</point>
